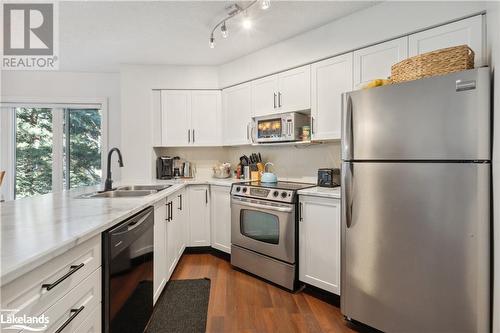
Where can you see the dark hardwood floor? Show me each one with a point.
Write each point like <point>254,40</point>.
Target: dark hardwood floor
<point>242,303</point>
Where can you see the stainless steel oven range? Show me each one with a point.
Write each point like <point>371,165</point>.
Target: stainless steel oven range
<point>264,223</point>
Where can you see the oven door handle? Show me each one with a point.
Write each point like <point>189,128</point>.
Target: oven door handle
<point>260,206</point>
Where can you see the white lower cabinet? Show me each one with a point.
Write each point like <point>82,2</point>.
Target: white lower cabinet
<point>92,324</point>
<point>199,215</point>
<point>221,217</point>
<point>160,248</point>
<point>72,309</point>
<point>319,242</point>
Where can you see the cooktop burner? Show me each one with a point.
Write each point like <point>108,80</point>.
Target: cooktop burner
<point>280,191</point>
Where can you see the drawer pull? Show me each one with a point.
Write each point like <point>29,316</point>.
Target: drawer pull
<point>73,269</point>
<point>74,313</point>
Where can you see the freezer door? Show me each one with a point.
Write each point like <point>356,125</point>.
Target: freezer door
<point>415,246</point>
<point>439,118</point>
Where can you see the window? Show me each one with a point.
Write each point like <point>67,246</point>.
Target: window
<point>55,147</point>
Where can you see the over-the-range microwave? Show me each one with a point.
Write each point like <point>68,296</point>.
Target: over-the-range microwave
<point>279,127</point>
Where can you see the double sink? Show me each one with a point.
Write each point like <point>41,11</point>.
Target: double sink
<point>128,191</point>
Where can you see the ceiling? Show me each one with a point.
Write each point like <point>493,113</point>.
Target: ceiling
<point>98,36</point>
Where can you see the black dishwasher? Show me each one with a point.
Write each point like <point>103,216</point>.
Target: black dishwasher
<point>128,274</point>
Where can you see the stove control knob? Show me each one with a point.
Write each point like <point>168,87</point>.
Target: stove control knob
<point>283,194</point>
<point>244,190</point>
<point>276,193</point>
<point>238,188</point>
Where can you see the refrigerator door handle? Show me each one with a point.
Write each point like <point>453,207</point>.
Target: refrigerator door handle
<point>347,135</point>
<point>347,174</point>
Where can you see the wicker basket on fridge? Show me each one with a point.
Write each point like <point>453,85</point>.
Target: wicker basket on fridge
<point>440,62</point>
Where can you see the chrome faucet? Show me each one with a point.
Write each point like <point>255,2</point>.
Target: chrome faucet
<point>108,185</point>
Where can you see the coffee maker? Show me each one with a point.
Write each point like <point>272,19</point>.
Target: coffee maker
<point>165,167</point>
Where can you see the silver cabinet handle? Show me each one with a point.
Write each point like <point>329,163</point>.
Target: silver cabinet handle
<point>274,100</point>
<point>189,136</point>
<point>301,208</point>
<point>72,270</point>
<point>248,135</point>
<point>194,140</point>
<point>279,99</point>
<point>180,202</point>
<point>312,124</point>
<point>74,313</point>
<point>206,197</point>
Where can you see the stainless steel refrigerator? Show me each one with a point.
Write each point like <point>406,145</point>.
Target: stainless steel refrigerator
<point>416,205</point>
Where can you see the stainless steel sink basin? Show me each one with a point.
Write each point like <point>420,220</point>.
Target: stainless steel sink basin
<point>143,187</point>
<point>119,194</point>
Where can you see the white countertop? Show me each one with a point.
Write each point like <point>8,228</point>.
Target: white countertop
<point>325,192</point>
<point>35,230</point>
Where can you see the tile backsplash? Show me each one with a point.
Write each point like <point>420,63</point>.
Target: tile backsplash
<point>289,161</point>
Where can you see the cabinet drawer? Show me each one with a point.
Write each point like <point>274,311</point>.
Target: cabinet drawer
<point>71,310</point>
<point>36,291</point>
<point>91,324</point>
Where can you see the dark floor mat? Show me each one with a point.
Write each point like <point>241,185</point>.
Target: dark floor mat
<point>182,308</point>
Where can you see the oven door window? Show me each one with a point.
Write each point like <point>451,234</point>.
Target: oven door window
<point>260,226</point>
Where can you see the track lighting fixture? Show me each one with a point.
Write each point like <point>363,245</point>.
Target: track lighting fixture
<point>265,4</point>
<point>232,11</point>
<point>223,30</point>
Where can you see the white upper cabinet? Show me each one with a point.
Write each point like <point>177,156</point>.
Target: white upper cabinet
<point>329,79</point>
<point>468,31</point>
<point>283,92</point>
<point>206,118</point>
<point>319,242</point>
<point>294,89</point>
<point>237,114</point>
<point>175,116</point>
<point>221,217</point>
<point>375,62</point>
<point>190,118</point>
<point>265,95</point>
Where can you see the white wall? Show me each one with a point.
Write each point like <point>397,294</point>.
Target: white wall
<point>137,82</point>
<point>372,25</point>
<point>493,29</point>
<point>47,84</point>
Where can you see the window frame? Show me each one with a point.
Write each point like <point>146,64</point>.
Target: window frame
<point>8,135</point>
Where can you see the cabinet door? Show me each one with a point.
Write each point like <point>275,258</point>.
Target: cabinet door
<point>375,62</point>
<point>206,118</point>
<point>180,217</point>
<point>172,237</point>
<point>160,248</point>
<point>294,89</point>
<point>221,218</point>
<point>330,78</point>
<point>468,31</point>
<point>319,243</point>
<point>237,114</point>
<point>264,96</point>
<point>176,109</point>
<point>199,215</point>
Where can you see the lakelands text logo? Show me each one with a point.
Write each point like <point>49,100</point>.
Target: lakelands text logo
<point>29,36</point>
<point>9,320</point>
